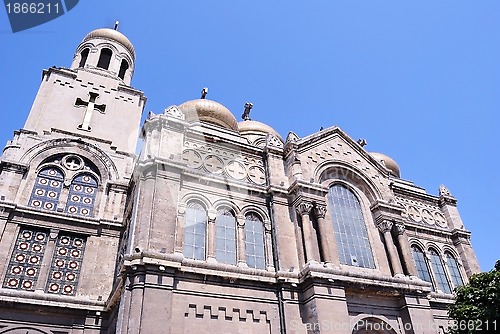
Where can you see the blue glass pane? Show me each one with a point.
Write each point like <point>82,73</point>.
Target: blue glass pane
<point>452,264</point>
<point>82,194</point>
<point>195,231</point>
<point>225,237</point>
<point>439,274</point>
<point>47,189</point>
<point>421,265</point>
<point>254,242</point>
<point>350,228</point>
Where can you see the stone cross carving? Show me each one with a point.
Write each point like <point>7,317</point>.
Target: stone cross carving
<point>246,112</point>
<point>443,191</point>
<point>91,106</point>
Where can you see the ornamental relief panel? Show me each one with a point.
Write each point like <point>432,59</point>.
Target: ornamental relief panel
<point>340,150</point>
<point>423,213</point>
<point>225,162</point>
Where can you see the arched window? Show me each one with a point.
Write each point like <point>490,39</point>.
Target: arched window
<point>439,273</point>
<point>84,55</point>
<point>123,69</point>
<point>350,228</point>
<point>104,58</point>
<point>421,264</point>
<point>452,265</point>
<point>225,236</point>
<point>82,193</point>
<point>254,241</point>
<point>195,231</point>
<point>47,189</point>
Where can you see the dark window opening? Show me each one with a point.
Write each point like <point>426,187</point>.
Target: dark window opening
<point>104,59</point>
<point>123,69</point>
<point>84,55</point>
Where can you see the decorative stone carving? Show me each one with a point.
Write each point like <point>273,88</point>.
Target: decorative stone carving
<point>257,175</point>
<point>236,170</point>
<point>319,210</point>
<point>273,141</point>
<point>291,137</point>
<point>443,191</point>
<point>399,228</point>
<point>304,208</point>
<point>385,226</point>
<point>175,112</point>
<point>421,212</point>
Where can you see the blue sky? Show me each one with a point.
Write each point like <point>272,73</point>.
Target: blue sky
<point>420,80</point>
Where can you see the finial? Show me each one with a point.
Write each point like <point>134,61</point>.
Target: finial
<point>204,92</point>
<point>246,112</point>
<point>443,191</point>
<point>116,24</point>
<point>362,142</point>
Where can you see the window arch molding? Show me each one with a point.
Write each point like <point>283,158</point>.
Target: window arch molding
<point>334,171</point>
<point>44,151</point>
<point>95,175</point>
<point>255,209</point>
<point>228,204</point>
<point>195,197</point>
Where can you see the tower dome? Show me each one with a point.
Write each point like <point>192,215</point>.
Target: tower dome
<point>256,131</point>
<point>106,51</point>
<point>209,111</point>
<point>112,35</point>
<point>388,162</point>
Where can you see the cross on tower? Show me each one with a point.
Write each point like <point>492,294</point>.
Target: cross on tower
<point>91,106</point>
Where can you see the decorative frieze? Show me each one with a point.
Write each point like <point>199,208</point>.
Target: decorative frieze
<point>224,162</point>
<point>420,212</point>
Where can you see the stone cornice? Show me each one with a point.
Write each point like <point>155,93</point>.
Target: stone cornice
<point>13,166</point>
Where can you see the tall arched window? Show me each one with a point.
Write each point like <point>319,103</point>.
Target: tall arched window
<point>254,241</point>
<point>452,265</point>
<point>421,264</point>
<point>225,236</point>
<point>195,231</point>
<point>104,58</point>
<point>123,69</point>
<point>350,228</point>
<point>439,273</point>
<point>48,184</point>
<point>82,193</point>
<point>84,55</point>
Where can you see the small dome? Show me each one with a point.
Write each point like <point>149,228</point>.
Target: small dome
<point>388,162</point>
<point>252,127</point>
<point>113,35</point>
<point>209,111</point>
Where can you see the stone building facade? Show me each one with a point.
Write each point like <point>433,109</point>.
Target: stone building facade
<point>216,225</point>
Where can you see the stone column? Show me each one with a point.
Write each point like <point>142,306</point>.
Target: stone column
<point>212,215</point>
<point>385,227</point>
<point>179,229</point>
<point>324,236</point>
<point>312,253</point>
<point>240,242</point>
<point>268,244</point>
<point>404,249</point>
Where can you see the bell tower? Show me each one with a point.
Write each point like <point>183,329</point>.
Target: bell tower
<point>93,98</point>
<point>64,185</point>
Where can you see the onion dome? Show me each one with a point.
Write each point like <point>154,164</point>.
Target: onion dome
<point>112,35</point>
<point>250,129</point>
<point>210,112</point>
<point>388,162</point>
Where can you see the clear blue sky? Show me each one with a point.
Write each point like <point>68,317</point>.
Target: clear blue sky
<point>420,80</point>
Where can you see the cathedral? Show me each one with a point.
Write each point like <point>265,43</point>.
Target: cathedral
<point>214,225</point>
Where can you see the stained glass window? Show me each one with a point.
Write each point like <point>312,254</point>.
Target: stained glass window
<point>439,273</point>
<point>48,184</point>
<point>350,228</point>
<point>24,265</point>
<point>225,236</point>
<point>452,265</point>
<point>66,265</point>
<point>421,264</point>
<point>195,231</point>
<point>82,195</point>
<point>254,241</point>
